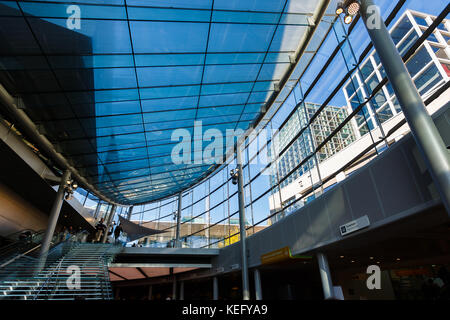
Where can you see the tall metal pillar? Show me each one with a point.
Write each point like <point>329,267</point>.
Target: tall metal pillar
<point>54,215</point>
<point>207,217</point>
<point>150,292</point>
<point>177,240</point>
<point>423,129</point>
<point>174,288</point>
<point>108,225</point>
<point>258,291</point>
<point>97,209</point>
<point>130,211</point>
<point>325,275</point>
<point>215,288</point>
<point>182,290</point>
<point>244,264</point>
<point>105,215</point>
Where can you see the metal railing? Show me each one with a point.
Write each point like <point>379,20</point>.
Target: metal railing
<point>26,278</point>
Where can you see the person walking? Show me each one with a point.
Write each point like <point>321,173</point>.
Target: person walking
<point>101,228</point>
<point>117,231</point>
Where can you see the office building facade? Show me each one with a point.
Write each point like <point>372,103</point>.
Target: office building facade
<point>429,68</point>
<point>327,121</point>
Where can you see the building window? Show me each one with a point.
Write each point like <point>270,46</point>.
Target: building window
<point>401,30</point>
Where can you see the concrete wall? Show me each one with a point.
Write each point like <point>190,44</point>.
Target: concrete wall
<point>17,214</point>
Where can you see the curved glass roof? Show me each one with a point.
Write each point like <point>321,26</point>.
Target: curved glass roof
<point>108,81</point>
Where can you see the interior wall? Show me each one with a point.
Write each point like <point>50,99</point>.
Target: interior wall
<point>354,287</point>
<point>17,214</point>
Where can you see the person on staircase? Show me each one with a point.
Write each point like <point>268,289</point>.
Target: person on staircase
<point>69,234</point>
<point>117,232</point>
<point>100,229</point>
<point>110,237</point>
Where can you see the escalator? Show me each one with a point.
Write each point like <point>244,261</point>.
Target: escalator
<point>20,243</point>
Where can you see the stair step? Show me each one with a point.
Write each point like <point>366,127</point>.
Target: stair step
<point>21,281</point>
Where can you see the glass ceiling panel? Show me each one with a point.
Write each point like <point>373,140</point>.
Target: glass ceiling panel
<point>111,88</point>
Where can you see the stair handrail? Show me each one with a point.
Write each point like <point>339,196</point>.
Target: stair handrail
<point>19,245</point>
<point>57,267</point>
<point>105,273</point>
<point>13,235</point>
<point>19,256</point>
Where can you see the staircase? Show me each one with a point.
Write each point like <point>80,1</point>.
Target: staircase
<point>25,280</point>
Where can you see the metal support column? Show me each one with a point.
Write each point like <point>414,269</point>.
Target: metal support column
<point>325,275</point>
<point>258,291</point>
<point>150,292</point>
<point>108,225</point>
<point>423,129</point>
<point>174,288</point>
<point>215,288</point>
<point>105,215</point>
<point>54,215</point>
<point>182,290</point>
<point>130,211</point>
<point>244,264</point>
<point>97,209</point>
<point>177,240</point>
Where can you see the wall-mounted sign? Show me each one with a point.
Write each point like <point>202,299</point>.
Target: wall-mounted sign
<point>354,225</point>
<point>235,266</point>
<point>220,269</point>
<point>280,255</point>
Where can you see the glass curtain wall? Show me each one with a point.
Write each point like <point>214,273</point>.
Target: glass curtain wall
<point>342,102</point>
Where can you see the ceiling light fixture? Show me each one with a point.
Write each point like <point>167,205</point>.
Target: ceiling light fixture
<point>353,7</point>
<point>348,7</point>
<point>340,8</point>
<point>348,19</point>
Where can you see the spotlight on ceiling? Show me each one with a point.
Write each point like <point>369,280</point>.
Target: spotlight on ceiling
<point>348,19</point>
<point>353,7</point>
<point>340,8</point>
<point>234,176</point>
<point>350,8</point>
